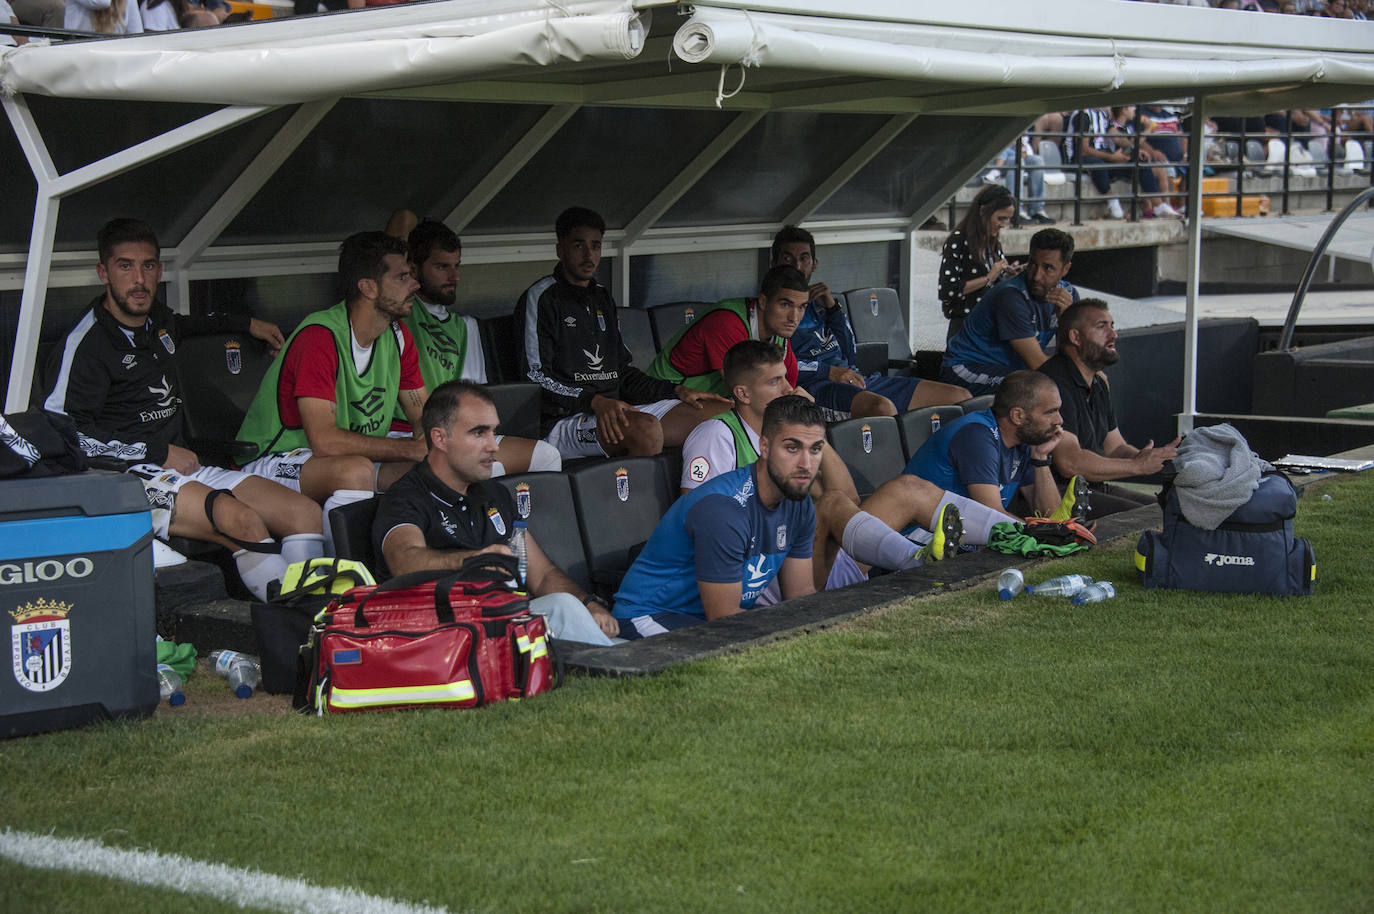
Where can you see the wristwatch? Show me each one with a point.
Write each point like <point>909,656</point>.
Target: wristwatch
<point>1039,462</point>
<point>591,598</point>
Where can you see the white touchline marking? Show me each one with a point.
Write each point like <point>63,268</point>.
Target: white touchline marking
<point>242,887</point>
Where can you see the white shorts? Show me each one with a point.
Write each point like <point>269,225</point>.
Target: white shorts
<point>575,436</point>
<point>284,469</point>
<point>161,485</point>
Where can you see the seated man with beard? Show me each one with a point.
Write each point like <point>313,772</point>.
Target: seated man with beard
<point>1093,446</point>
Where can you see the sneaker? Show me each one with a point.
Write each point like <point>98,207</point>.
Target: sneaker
<point>1022,216</point>
<point>949,530</point>
<point>1041,219</point>
<point>1074,505</point>
<point>165,556</point>
<point>1114,209</point>
<point>992,177</point>
<point>1165,211</point>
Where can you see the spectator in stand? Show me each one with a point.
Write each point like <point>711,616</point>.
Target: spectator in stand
<point>198,18</point>
<point>1032,180</point>
<point>7,15</point>
<point>971,262</point>
<point>1123,123</point>
<point>46,13</point>
<point>162,15</point>
<point>109,17</point>
<point>1093,144</point>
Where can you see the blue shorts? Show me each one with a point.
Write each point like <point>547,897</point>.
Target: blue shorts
<point>655,624</point>
<point>837,398</point>
<point>979,379</point>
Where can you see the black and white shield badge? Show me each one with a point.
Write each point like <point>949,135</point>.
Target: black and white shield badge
<point>41,645</point>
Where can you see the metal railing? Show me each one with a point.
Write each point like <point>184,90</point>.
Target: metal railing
<point>1235,167</point>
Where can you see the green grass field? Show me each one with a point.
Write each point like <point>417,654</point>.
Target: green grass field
<point>1160,751</point>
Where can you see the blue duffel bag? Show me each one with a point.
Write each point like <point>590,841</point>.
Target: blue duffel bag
<point>1253,551</point>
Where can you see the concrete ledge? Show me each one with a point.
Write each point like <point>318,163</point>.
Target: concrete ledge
<point>819,611</point>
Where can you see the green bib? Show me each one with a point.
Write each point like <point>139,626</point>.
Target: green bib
<point>363,404</point>
<point>664,369</point>
<point>441,345</point>
<point>745,454</point>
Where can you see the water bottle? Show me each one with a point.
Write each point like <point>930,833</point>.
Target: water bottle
<point>1010,583</point>
<point>1063,586</point>
<point>169,685</point>
<point>517,545</point>
<point>1095,593</point>
<point>242,670</point>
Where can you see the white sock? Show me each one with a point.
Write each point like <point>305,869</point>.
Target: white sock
<point>340,498</point>
<point>257,569</point>
<point>545,458</point>
<point>869,540</point>
<point>977,517</point>
<point>301,547</point>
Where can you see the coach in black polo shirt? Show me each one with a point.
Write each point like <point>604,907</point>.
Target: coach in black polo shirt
<point>1093,447</point>
<point>447,509</point>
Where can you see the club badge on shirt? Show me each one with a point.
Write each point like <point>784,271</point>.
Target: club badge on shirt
<point>495,517</point>
<point>167,343</point>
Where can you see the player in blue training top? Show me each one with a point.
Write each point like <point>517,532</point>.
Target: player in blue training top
<point>1012,323</point>
<point>989,455</point>
<point>827,353</point>
<point>721,544</point>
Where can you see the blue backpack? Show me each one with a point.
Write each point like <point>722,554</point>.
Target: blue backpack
<point>1253,551</point>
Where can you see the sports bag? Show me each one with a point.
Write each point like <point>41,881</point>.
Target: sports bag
<point>1253,551</point>
<point>282,624</point>
<point>437,639</point>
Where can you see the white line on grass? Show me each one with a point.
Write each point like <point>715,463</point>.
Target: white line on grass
<point>243,887</point>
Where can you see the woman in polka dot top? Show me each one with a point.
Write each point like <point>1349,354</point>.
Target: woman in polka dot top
<point>971,261</point>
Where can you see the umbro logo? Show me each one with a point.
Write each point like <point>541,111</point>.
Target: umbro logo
<point>570,321</point>
<point>129,361</point>
<point>374,400</point>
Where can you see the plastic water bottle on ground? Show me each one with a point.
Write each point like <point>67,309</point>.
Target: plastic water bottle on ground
<point>517,545</point>
<point>242,670</point>
<point>1010,583</point>
<point>1066,585</point>
<point>169,685</point>
<point>1095,593</point>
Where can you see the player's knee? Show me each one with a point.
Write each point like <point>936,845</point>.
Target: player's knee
<point>644,438</point>
<point>237,520</point>
<point>352,473</point>
<point>868,403</point>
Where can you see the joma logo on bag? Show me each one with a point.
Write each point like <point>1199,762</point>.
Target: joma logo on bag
<point>1212,558</point>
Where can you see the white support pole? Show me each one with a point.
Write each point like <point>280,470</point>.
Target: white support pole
<point>251,180</point>
<point>909,280</point>
<point>1195,160</point>
<point>620,277</point>
<point>52,187</point>
<point>690,175</point>
<point>505,170</point>
<point>857,160</point>
<point>35,289</point>
<point>155,148</point>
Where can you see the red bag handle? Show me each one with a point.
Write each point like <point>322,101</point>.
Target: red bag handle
<point>494,570</point>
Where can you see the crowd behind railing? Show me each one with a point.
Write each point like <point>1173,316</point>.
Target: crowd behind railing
<point>122,17</point>
<point>1132,162</point>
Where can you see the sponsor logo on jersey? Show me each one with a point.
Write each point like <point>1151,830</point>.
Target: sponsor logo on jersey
<point>163,393</point>
<point>622,484</point>
<point>699,469</point>
<point>1216,560</point>
<point>41,644</point>
<point>495,517</point>
<point>757,575</point>
<point>595,358</point>
<point>522,499</point>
